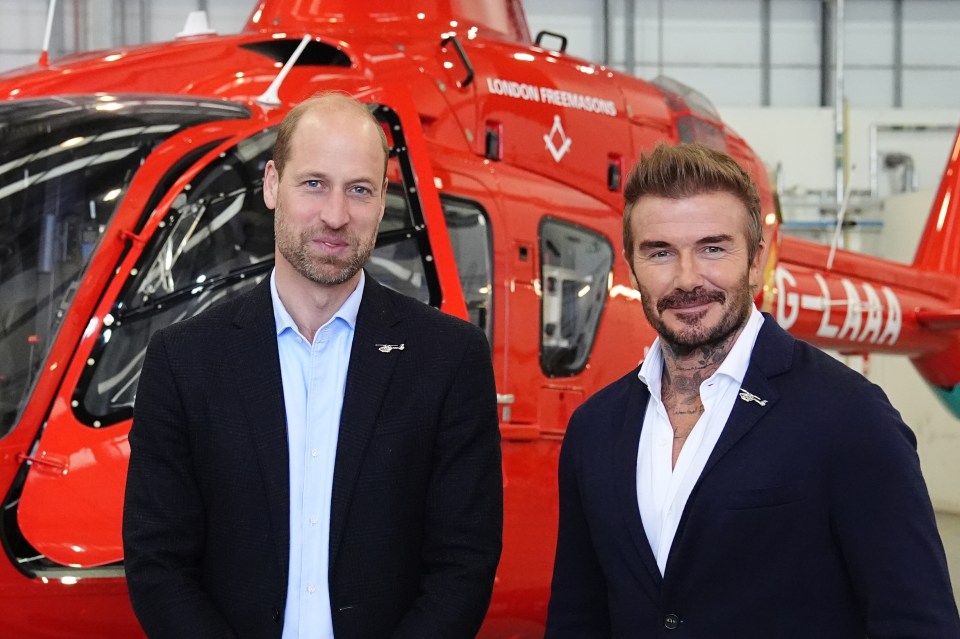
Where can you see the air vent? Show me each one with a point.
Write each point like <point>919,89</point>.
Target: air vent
<point>316,53</point>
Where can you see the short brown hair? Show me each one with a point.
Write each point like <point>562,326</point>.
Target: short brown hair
<point>327,99</point>
<point>686,170</point>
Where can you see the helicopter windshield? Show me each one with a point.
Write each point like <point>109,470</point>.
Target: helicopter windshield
<point>65,165</point>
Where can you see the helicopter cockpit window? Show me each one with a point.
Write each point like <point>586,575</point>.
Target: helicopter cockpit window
<point>575,268</point>
<point>469,232</point>
<point>65,166</point>
<point>397,260</point>
<point>217,242</point>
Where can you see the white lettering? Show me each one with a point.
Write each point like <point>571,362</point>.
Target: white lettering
<point>851,323</point>
<point>867,317</point>
<point>874,315</point>
<point>826,329</point>
<point>787,307</point>
<point>512,89</point>
<point>894,318</point>
<point>590,104</point>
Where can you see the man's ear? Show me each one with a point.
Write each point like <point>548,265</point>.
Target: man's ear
<point>756,268</point>
<point>271,185</point>
<point>383,198</point>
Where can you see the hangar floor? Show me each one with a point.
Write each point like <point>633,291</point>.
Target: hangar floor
<point>950,533</point>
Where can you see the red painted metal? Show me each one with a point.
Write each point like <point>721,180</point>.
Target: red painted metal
<point>560,123</point>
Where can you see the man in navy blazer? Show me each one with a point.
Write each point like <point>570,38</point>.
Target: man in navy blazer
<point>227,532</point>
<point>740,483</point>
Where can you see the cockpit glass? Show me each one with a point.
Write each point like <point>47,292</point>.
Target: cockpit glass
<point>215,242</point>
<point>65,166</point>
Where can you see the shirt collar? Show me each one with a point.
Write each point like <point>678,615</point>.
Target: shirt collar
<point>347,311</point>
<point>734,365</point>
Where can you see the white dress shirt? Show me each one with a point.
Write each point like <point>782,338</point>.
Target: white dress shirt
<point>314,376</point>
<point>662,491</point>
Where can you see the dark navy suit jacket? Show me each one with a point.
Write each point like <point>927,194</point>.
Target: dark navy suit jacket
<point>811,519</point>
<point>416,509</point>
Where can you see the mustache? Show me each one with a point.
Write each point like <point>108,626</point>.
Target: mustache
<point>685,298</point>
<point>324,231</point>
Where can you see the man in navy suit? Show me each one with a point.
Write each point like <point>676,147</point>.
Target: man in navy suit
<point>739,483</point>
<point>318,457</point>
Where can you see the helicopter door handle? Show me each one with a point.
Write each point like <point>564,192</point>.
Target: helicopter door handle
<point>463,57</point>
<point>552,34</point>
<point>129,236</point>
<point>50,463</point>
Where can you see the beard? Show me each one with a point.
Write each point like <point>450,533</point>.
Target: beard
<point>325,270</point>
<point>694,335</point>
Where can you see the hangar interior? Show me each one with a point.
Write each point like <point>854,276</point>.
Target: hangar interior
<point>789,75</point>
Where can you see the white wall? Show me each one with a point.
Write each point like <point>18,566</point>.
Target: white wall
<point>21,29</point>
<point>717,47</point>
<point>801,140</point>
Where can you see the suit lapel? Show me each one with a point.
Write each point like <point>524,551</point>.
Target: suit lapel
<point>368,378</point>
<point>256,364</point>
<point>625,468</point>
<point>744,415</point>
<point>772,355</point>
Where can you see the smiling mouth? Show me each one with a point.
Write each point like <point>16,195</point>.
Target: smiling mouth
<point>331,244</point>
<point>689,308</point>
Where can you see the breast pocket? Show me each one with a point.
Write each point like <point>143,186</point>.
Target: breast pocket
<point>766,497</point>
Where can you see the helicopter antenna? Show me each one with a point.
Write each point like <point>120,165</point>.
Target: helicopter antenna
<point>271,96</point>
<point>45,53</point>
<point>838,229</point>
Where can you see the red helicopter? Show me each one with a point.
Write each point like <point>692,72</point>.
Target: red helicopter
<point>130,198</point>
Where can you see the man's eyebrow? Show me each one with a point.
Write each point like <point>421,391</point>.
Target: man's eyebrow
<point>715,239</point>
<point>310,175</point>
<point>320,175</point>
<point>653,244</point>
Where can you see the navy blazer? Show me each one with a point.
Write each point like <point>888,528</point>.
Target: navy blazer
<point>811,519</point>
<point>416,511</point>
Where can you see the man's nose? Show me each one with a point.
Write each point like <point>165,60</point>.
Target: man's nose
<point>688,276</point>
<point>335,212</point>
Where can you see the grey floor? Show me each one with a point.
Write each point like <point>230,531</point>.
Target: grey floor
<point>950,533</point>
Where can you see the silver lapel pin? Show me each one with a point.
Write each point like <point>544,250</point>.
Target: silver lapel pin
<point>386,348</point>
<point>747,396</point>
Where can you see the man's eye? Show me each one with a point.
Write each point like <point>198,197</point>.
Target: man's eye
<point>714,249</point>
<point>313,184</point>
<point>362,190</point>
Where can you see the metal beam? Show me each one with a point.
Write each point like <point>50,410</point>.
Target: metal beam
<point>765,49</point>
<point>826,47</point>
<point>145,22</point>
<point>660,37</point>
<point>120,22</point>
<point>607,32</point>
<point>629,36</point>
<point>897,53</point>
<point>839,106</point>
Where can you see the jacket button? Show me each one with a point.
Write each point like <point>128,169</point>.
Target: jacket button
<point>671,622</point>
<point>276,615</point>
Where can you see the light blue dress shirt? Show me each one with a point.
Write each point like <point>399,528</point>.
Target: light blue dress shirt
<point>314,376</point>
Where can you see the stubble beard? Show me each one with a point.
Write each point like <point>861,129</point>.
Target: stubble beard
<point>694,335</point>
<point>323,270</point>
